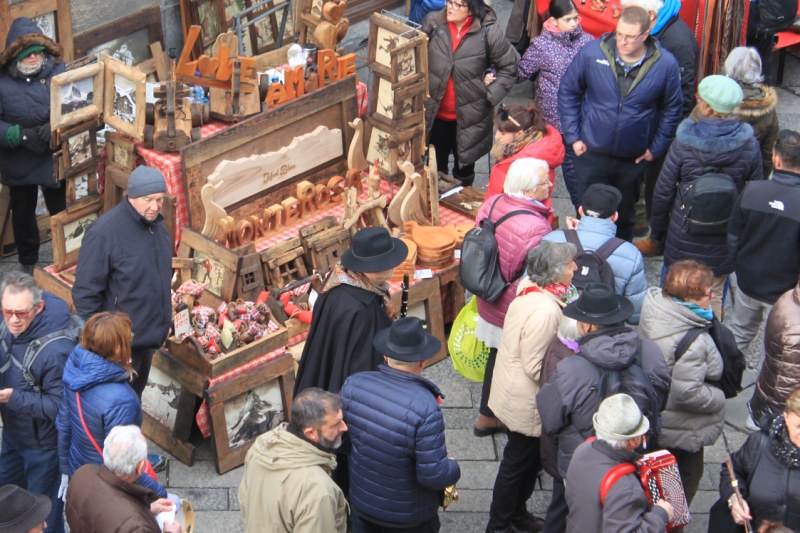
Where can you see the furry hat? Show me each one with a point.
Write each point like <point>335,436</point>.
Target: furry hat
<point>23,34</point>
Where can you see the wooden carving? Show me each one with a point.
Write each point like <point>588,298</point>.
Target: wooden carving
<point>394,208</point>
<point>212,228</point>
<point>283,263</point>
<point>334,26</point>
<point>432,175</point>
<point>355,155</point>
<point>240,99</point>
<point>412,206</point>
<point>354,209</point>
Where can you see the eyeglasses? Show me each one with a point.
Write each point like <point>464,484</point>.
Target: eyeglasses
<point>455,5</point>
<point>22,315</point>
<point>625,38</point>
<point>502,112</point>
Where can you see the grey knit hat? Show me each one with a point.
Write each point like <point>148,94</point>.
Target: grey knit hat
<point>145,180</point>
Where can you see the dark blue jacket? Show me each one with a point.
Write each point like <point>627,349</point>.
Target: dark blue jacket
<point>107,401</point>
<point>593,110</point>
<point>29,416</point>
<point>126,265</point>
<point>398,462</point>
<point>26,101</point>
<point>420,8</point>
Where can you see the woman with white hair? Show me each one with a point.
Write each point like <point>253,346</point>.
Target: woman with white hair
<point>758,108</point>
<point>526,187</point>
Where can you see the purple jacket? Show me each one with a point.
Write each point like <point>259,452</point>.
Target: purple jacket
<point>549,54</point>
<point>514,238</point>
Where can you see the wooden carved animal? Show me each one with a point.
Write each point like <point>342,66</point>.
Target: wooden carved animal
<point>355,154</point>
<point>334,25</point>
<point>412,206</point>
<point>394,207</point>
<point>214,212</point>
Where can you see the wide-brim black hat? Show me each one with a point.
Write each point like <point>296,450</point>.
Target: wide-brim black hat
<point>406,340</point>
<point>21,510</point>
<point>599,305</point>
<point>374,250</point>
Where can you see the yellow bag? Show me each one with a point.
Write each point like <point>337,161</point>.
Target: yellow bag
<point>468,354</point>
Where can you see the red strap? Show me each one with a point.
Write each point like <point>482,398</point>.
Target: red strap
<point>85,427</point>
<point>528,290</point>
<point>612,476</point>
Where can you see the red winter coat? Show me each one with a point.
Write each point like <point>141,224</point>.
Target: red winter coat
<point>549,148</point>
<point>514,238</point>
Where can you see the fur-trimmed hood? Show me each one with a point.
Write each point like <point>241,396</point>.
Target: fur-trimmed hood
<point>716,135</point>
<point>24,33</point>
<point>759,100</point>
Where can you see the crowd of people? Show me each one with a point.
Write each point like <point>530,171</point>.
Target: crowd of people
<point>588,366</point>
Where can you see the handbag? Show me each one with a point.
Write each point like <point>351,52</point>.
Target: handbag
<point>468,354</point>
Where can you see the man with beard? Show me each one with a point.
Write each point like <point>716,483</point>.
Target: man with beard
<point>287,485</point>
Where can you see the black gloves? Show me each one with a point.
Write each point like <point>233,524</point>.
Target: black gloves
<point>37,139</point>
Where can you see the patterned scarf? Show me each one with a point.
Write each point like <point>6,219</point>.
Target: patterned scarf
<point>783,448</point>
<point>342,276</point>
<point>502,151</point>
<point>565,293</point>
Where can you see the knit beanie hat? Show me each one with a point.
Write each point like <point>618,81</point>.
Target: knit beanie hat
<point>32,49</point>
<point>721,93</point>
<point>145,180</point>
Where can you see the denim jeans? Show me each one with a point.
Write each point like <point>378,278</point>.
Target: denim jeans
<point>36,471</point>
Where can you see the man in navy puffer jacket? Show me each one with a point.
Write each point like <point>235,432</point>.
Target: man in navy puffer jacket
<point>398,463</point>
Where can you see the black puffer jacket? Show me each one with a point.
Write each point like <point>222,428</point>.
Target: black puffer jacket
<point>677,38</point>
<point>705,145</point>
<point>474,100</point>
<point>25,100</point>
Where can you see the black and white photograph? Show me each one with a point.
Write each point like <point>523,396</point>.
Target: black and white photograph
<point>75,230</point>
<point>253,413</point>
<point>160,397</point>
<point>131,49</point>
<point>80,148</point>
<point>47,23</point>
<point>77,95</point>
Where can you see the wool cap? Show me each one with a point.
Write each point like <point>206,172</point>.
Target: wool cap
<point>721,93</point>
<point>619,418</point>
<point>145,180</point>
<point>601,200</point>
<point>28,51</point>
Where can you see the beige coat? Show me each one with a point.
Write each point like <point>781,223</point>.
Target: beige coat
<point>531,323</point>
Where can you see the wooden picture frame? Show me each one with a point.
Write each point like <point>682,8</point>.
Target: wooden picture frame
<point>124,98</point>
<point>54,17</point>
<point>76,95</point>
<point>263,25</point>
<point>396,51</point>
<point>82,189</point>
<point>210,16</point>
<point>120,152</point>
<point>68,230</point>
<point>425,302</point>
<point>390,149</point>
<point>397,108</point>
<point>271,383</point>
<point>127,39</point>
<point>79,150</point>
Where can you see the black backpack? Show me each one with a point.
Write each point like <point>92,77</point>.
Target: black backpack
<point>593,265</point>
<point>706,203</point>
<point>776,15</point>
<point>733,361</point>
<point>479,271</point>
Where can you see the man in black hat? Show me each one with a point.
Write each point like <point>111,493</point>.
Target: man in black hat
<point>22,511</point>
<point>595,229</point>
<point>398,463</point>
<point>612,359</point>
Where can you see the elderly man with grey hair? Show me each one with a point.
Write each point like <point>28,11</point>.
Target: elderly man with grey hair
<point>759,107</point>
<point>106,497</point>
<point>521,221</point>
<point>620,427</point>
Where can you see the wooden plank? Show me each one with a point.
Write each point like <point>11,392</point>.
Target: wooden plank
<point>152,429</point>
<point>48,282</point>
<point>192,380</point>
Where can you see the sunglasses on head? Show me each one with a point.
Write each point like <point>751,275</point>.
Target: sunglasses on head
<point>502,112</point>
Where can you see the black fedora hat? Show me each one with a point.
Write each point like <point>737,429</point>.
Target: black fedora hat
<point>406,340</point>
<point>21,510</point>
<point>374,250</point>
<point>599,305</point>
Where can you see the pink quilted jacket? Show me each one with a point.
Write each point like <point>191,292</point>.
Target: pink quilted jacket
<point>514,237</point>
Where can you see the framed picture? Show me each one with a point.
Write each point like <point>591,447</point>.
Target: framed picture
<point>247,406</point>
<point>397,108</point>
<point>82,189</point>
<point>267,24</point>
<point>127,39</point>
<point>397,52</point>
<point>120,152</point>
<point>68,231</point>
<point>390,149</point>
<point>76,95</point>
<point>78,149</point>
<point>54,18</point>
<point>124,98</point>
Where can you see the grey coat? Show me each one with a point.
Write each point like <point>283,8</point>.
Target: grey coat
<point>626,507</point>
<point>695,409</point>
<point>474,100</point>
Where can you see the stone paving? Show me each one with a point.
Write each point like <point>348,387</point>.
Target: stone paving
<point>215,496</point>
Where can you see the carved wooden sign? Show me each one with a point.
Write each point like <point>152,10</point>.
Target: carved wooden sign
<point>252,175</point>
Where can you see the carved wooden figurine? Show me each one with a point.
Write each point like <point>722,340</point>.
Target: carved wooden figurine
<point>333,27</point>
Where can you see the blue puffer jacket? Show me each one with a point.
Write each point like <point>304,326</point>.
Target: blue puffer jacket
<point>420,8</point>
<point>593,110</point>
<point>107,401</point>
<point>25,100</point>
<point>398,463</point>
<point>126,265</point>
<point>626,261</point>
<point>29,416</point>
<point>709,144</point>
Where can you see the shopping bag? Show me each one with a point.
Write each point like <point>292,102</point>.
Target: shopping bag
<point>468,354</point>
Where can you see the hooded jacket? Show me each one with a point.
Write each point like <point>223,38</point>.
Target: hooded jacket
<point>676,37</point>
<point>593,109</point>
<point>780,372</point>
<point>287,487</point>
<point>25,101</point>
<point>626,262</point>
<point>29,416</point>
<point>514,237</point>
<point>126,265</point>
<point>569,398</point>
<point>695,409</point>
<point>474,100</point>
<point>398,462</point>
<point>759,109</point>
<point>702,146</point>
